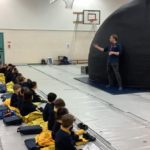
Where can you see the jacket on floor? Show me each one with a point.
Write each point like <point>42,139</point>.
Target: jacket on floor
<point>47,109</point>
<point>14,100</point>
<point>25,84</point>
<point>36,98</point>
<point>27,108</point>
<point>63,140</point>
<point>10,77</point>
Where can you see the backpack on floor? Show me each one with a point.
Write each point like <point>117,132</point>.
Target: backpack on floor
<point>8,113</point>
<point>3,88</point>
<point>31,144</point>
<point>6,96</point>
<point>64,61</point>
<point>2,109</point>
<point>43,62</point>
<point>27,130</point>
<point>13,120</point>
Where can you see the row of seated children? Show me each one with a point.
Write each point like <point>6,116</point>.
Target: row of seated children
<point>54,112</point>
<point>59,121</point>
<point>56,108</point>
<point>22,99</point>
<point>10,73</point>
<point>18,94</point>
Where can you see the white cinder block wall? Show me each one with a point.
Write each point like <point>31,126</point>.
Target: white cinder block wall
<point>38,30</point>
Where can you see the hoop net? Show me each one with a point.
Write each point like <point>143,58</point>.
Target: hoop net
<point>69,4</point>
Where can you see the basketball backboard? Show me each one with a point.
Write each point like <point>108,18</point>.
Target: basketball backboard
<point>89,15</point>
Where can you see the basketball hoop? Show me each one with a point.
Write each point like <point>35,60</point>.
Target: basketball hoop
<point>92,20</point>
<point>69,3</point>
<point>52,1</point>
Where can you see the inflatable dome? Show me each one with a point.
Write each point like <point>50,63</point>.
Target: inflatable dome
<point>131,23</point>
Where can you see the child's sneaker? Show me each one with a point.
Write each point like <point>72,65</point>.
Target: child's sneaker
<point>89,137</point>
<point>82,126</point>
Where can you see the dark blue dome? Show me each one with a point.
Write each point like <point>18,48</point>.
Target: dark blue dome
<point>131,23</point>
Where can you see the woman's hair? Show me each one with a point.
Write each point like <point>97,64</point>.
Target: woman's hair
<point>28,96</point>
<point>24,89</point>
<point>16,87</point>
<point>60,113</point>
<point>32,84</point>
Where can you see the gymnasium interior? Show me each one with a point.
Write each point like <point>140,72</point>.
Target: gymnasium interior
<point>50,42</point>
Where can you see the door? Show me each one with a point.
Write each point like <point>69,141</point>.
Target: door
<point>2,56</point>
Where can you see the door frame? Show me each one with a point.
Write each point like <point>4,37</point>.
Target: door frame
<point>3,47</point>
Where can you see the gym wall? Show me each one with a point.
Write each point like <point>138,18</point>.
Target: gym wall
<point>39,30</point>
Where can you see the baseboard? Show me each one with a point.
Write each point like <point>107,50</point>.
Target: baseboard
<point>34,64</point>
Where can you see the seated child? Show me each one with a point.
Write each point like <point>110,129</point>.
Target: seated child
<point>49,106</point>
<point>18,76</point>
<point>16,72</point>
<point>27,105</point>
<point>23,90</point>
<point>63,139</point>
<point>10,76</point>
<point>23,83</point>
<point>15,97</point>
<point>59,114</point>
<point>1,66</point>
<point>59,103</point>
<point>57,125</point>
<point>4,68</point>
<point>33,87</point>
